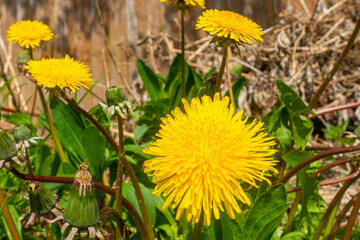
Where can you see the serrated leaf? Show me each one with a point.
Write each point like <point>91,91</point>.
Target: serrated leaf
<point>293,102</point>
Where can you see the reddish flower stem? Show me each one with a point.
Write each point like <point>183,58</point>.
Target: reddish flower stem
<point>334,109</point>
<point>330,165</point>
<point>314,158</point>
<point>332,205</point>
<point>326,182</point>
<point>321,148</point>
<point>341,216</point>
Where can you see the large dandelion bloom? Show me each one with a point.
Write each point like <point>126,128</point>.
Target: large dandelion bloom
<point>29,33</point>
<point>189,3</point>
<point>61,73</point>
<point>203,153</point>
<point>230,25</point>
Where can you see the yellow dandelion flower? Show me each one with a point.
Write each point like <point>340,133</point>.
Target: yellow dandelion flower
<point>29,33</point>
<point>61,73</point>
<point>202,154</point>
<point>189,3</point>
<point>231,25</point>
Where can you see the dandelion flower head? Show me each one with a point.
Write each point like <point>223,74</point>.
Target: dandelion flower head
<point>231,25</point>
<point>188,3</point>
<point>60,73</point>
<point>29,33</point>
<point>202,154</point>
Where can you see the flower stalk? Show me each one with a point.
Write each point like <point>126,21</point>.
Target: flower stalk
<point>183,83</point>
<point>51,126</point>
<point>8,219</point>
<point>222,68</point>
<point>119,175</point>
<point>196,233</point>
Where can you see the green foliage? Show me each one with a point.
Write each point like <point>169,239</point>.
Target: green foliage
<point>336,133</point>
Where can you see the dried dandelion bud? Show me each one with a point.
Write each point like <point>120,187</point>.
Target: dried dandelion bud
<point>82,215</point>
<point>42,202</point>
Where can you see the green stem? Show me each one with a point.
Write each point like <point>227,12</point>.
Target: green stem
<point>336,66</point>
<point>332,205</point>
<point>8,219</point>
<point>351,220</point>
<point>222,68</point>
<point>51,126</point>
<point>292,212</point>
<point>48,232</point>
<point>196,233</point>
<point>121,155</point>
<point>183,83</point>
<point>126,164</point>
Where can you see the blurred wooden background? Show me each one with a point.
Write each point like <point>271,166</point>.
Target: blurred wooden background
<point>129,25</point>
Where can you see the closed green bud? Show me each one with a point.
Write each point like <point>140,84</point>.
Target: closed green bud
<point>114,95</point>
<point>21,132</point>
<point>7,147</point>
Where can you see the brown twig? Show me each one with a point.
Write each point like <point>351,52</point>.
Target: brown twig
<point>336,67</point>
<point>351,220</point>
<point>17,107</point>
<point>7,109</point>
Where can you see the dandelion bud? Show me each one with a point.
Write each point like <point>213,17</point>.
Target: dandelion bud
<point>21,132</point>
<point>42,203</point>
<point>114,95</point>
<point>22,136</point>
<point>117,103</point>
